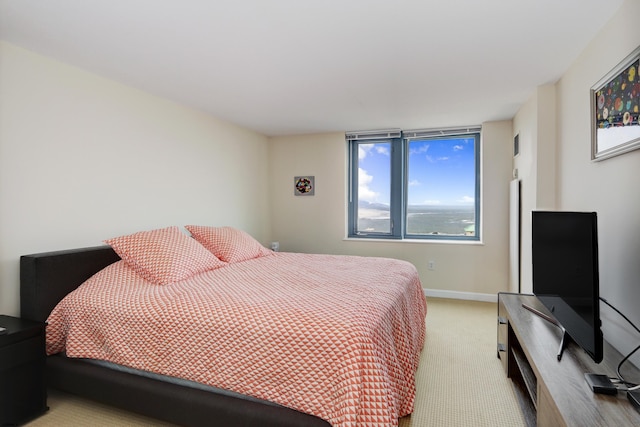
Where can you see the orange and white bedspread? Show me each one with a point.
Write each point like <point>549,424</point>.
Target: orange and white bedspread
<point>334,336</point>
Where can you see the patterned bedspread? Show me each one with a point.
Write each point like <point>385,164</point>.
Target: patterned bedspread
<point>334,336</point>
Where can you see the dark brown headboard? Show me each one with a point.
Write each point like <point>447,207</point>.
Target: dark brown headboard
<point>48,277</point>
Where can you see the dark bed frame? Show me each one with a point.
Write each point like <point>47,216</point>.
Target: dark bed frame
<point>46,278</point>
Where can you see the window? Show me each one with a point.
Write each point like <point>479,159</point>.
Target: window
<point>415,184</point>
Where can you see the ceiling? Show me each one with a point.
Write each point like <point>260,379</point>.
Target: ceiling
<point>282,67</point>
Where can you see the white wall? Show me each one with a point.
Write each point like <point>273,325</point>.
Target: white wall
<point>536,166</point>
<point>318,223</point>
<point>608,187</point>
<point>83,158</point>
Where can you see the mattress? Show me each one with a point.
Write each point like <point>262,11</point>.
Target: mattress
<point>338,337</point>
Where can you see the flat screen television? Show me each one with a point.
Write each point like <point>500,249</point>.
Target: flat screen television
<point>565,275</point>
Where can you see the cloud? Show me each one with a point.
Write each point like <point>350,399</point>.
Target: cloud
<point>437,159</point>
<point>365,149</point>
<point>364,192</point>
<point>421,149</point>
<point>432,202</point>
<point>458,147</point>
<point>467,199</point>
<point>414,182</point>
<point>382,149</point>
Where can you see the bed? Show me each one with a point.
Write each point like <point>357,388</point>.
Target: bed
<point>53,283</point>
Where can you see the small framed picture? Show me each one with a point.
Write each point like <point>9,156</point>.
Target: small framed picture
<point>304,185</point>
<point>615,110</point>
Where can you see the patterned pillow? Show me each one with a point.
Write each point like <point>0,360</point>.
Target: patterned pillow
<point>228,243</point>
<point>165,255</point>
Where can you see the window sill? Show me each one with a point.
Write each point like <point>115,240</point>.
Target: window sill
<point>418,241</point>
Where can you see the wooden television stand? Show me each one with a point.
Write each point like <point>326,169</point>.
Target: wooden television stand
<point>554,392</point>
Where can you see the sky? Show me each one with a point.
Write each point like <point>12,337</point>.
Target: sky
<point>440,172</point>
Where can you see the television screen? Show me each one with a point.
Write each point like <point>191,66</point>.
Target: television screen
<point>565,274</point>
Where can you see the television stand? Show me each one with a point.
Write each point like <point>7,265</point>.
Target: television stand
<point>565,336</point>
<point>554,392</point>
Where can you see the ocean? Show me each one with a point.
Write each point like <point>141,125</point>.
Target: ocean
<point>423,220</point>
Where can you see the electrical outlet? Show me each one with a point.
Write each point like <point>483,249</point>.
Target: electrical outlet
<point>431,265</point>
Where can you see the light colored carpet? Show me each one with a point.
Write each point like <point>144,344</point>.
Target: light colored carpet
<point>460,379</point>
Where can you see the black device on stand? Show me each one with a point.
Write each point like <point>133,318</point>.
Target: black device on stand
<point>566,277</point>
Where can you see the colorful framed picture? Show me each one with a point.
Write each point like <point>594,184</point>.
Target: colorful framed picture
<point>615,110</point>
<point>304,185</point>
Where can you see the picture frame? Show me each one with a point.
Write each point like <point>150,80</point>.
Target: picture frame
<point>304,185</point>
<point>615,110</point>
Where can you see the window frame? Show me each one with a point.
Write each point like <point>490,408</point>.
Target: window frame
<point>399,159</point>
<point>396,190</point>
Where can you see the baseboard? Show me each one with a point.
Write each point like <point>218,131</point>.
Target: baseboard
<point>439,293</point>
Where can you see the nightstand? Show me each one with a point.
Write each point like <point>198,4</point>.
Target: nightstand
<point>23,393</point>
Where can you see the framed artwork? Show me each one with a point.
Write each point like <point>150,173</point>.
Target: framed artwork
<point>615,110</point>
<point>304,185</point>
